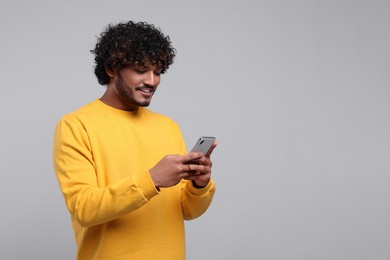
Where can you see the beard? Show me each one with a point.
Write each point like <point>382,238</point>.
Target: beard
<point>126,93</point>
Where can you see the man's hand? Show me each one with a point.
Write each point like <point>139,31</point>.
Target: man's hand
<point>203,176</point>
<point>192,166</point>
<point>172,168</point>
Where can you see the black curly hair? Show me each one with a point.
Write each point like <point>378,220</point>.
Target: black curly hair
<point>130,43</point>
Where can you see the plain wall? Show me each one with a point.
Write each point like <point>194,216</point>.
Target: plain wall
<point>297,93</point>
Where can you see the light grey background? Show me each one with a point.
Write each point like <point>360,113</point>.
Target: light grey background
<point>297,93</point>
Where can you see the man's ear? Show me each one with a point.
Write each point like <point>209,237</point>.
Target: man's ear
<point>110,72</point>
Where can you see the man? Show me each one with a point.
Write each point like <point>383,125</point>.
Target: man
<point>126,177</point>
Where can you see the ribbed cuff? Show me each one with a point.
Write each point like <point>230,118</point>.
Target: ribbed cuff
<point>146,185</point>
<point>200,191</point>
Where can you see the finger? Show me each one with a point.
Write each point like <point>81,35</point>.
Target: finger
<point>205,161</point>
<point>191,157</point>
<point>189,173</point>
<point>202,177</point>
<point>191,176</point>
<point>200,170</point>
<point>190,168</point>
<point>212,148</point>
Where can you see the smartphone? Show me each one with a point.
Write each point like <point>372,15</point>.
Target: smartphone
<point>203,144</point>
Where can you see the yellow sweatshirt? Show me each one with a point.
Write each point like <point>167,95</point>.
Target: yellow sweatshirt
<point>101,158</point>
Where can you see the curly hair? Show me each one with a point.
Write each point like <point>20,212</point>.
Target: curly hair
<point>130,43</point>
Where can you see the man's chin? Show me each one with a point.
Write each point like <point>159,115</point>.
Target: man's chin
<point>144,104</point>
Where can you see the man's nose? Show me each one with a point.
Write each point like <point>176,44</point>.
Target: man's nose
<point>150,79</point>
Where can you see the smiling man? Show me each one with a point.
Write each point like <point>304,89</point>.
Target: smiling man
<point>127,179</point>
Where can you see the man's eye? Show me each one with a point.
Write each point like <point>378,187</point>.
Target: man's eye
<point>157,73</point>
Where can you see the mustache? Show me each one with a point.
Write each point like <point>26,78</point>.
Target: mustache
<point>146,87</point>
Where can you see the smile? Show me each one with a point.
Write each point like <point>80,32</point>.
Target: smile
<point>146,91</point>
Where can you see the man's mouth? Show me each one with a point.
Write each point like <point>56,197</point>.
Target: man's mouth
<point>146,90</point>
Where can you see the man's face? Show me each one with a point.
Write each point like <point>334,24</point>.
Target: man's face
<point>134,86</point>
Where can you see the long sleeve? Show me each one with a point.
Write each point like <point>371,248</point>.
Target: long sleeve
<point>196,201</point>
<point>75,168</point>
